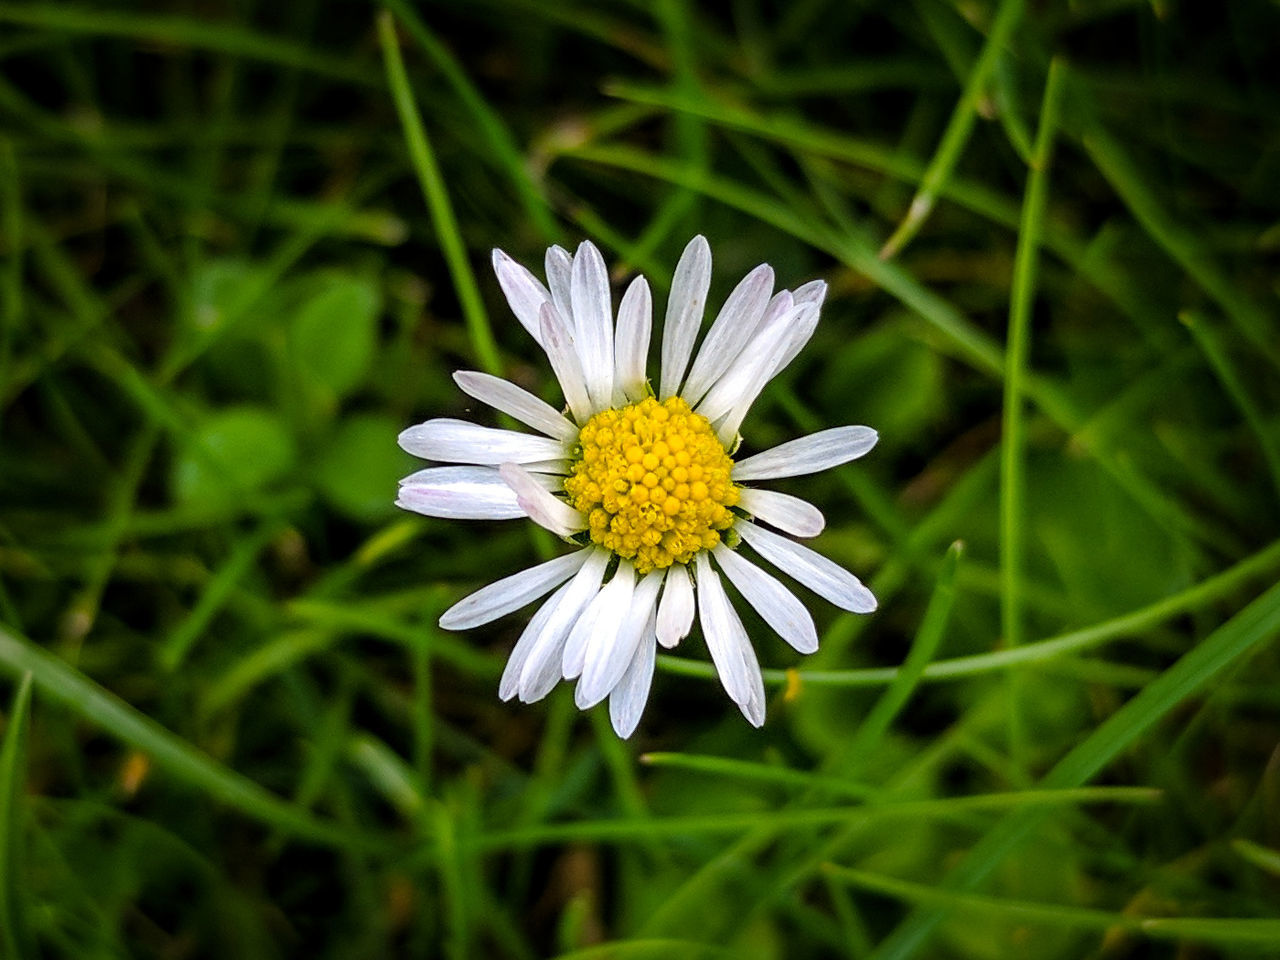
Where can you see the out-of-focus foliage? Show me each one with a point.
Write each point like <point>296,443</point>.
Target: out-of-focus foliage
<point>1050,235</point>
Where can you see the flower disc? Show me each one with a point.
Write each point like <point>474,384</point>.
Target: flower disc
<point>654,483</point>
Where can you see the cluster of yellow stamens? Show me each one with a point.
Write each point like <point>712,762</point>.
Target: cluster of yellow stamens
<point>654,483</point>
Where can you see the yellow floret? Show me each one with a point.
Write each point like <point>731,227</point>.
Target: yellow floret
<point>654,482</point>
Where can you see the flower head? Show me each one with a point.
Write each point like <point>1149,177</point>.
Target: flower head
<point>644,484</point>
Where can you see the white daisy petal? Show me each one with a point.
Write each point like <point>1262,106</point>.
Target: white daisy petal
<point>593,322</point>
<point>798,326</point>
<point>729,385</point>
<point>731,333</point>
<point>754,708</point>
<point>544,508</point>
<point>457,441</point>
<point>516,401</point>
<point>541,670</point>
<point>781,302</point>
<point>786,327</point>
<point>510,682</point>
<point>631,344</point>
<point>792,347</point>
<point>559,264</point>
<point>738,388</point>
<point>487,475</point>
<point>824,577</point>
<point>718,404</point>
<point>524,292</point>
<point>675,612</point>
<point>599,623</point>
<point>459,493</point>
<point>565,363</point>
<point>628,698</point>
<point>606,663</point>
<point>777,606</point>
<point>513,592</point>
<point>727,640</point>
<point>562,468</point>
<point>815,292</point>
<point>573,650</point>
<point>812,454</point>
<point>790,514</point>
<point>685,307</point>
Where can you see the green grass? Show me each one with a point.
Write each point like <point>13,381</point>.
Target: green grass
<point>241,249</point>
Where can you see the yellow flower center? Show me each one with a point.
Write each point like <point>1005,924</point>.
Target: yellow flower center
<point>654,483</point>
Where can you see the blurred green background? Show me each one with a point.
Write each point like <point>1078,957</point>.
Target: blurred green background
<point>245,243</point>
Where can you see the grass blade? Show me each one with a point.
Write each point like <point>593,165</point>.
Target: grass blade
<point>1215,589</point>
<point>179,31</point>
<point>214,597</point>
<point>1012,440</point>
<point>640,829</point>
<point>490,122</point>
<point>67,686</point>
<point>759,773</point>
<point>1248,630</point>
<point>1264,858</point>
<point>1215,930</point>
<point>13,929</point>
<point>11,217</point>
<point>1227,374</point>
<point>437,197</point>
<point>957,133</point>
<point>1179,243</point>
<point>933,628</point>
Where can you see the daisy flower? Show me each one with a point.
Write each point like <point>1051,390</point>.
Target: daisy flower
<point>644,484</point>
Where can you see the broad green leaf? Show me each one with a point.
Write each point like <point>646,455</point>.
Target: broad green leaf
<point>233,452</point>
<point>215,286</point>
<point>334,333</point>
<point>359,467</point>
